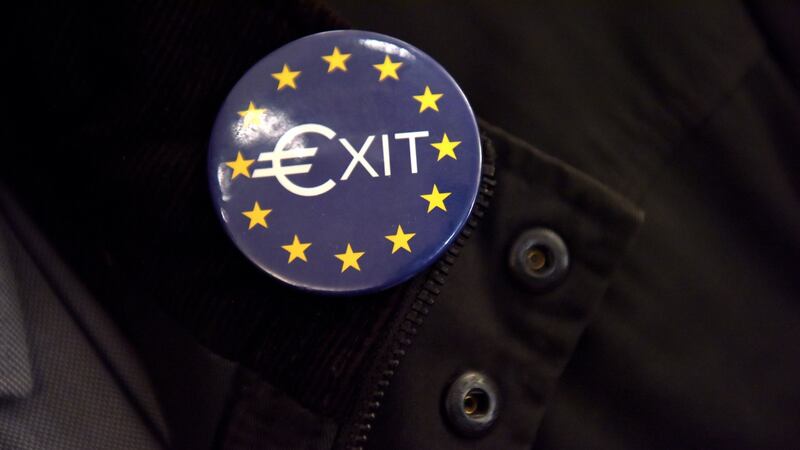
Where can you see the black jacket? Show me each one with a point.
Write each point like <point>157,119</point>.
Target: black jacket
<point>658,143</point>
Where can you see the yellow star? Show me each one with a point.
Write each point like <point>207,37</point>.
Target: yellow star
<point>349,258</point>
<point>400,240</point>
<point>240,166</point>
<point>336,60</point>
<point>253,115</point>
<point>388,68</point>
<point>436,199</point>
<point>297,249</point>
<point>428,100</point>
<point>286,77</point>
<point>257,216</point>
<point>446,147</point>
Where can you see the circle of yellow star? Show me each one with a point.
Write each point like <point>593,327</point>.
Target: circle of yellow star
<point>253,115</point>
<point>400,240</point>
<point>436,199</point>
<point>446,147</point>
<point>388,68</point>
<point>336,60</point>
<point>349,258</point>
<point>257,216</point>
<point>240,166</point>
<point>297,249</point>
<point>286,77</point>
<point>428,100</point>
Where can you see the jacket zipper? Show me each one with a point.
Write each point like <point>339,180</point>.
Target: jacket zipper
<point>415,313</point>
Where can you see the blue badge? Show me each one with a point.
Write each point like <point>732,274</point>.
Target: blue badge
<point>345,162</point>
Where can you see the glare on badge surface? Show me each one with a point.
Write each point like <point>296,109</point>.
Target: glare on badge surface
<point>386,47</point>
<point>273,125</point>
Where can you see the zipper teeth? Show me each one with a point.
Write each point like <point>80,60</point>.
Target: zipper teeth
<point>419,309</point>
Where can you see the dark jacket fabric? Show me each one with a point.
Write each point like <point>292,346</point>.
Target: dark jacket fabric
<point>68,378</point>
<point>658,141</point>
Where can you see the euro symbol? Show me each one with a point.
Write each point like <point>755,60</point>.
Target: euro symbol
<point>281,172</point>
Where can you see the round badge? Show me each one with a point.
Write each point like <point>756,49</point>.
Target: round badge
<point>345,162</point>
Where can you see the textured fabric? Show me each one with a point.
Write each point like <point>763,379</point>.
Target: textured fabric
<point>700,348</point>
<point>194,385</point>
<point>87,390</point>
<point>15,370</point>
<point>262,416</point>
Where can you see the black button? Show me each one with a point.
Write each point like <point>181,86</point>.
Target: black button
<point>471,404</point>
<point>539,258</point>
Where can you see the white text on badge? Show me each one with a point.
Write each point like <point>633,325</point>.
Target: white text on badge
<point>281,172</point>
